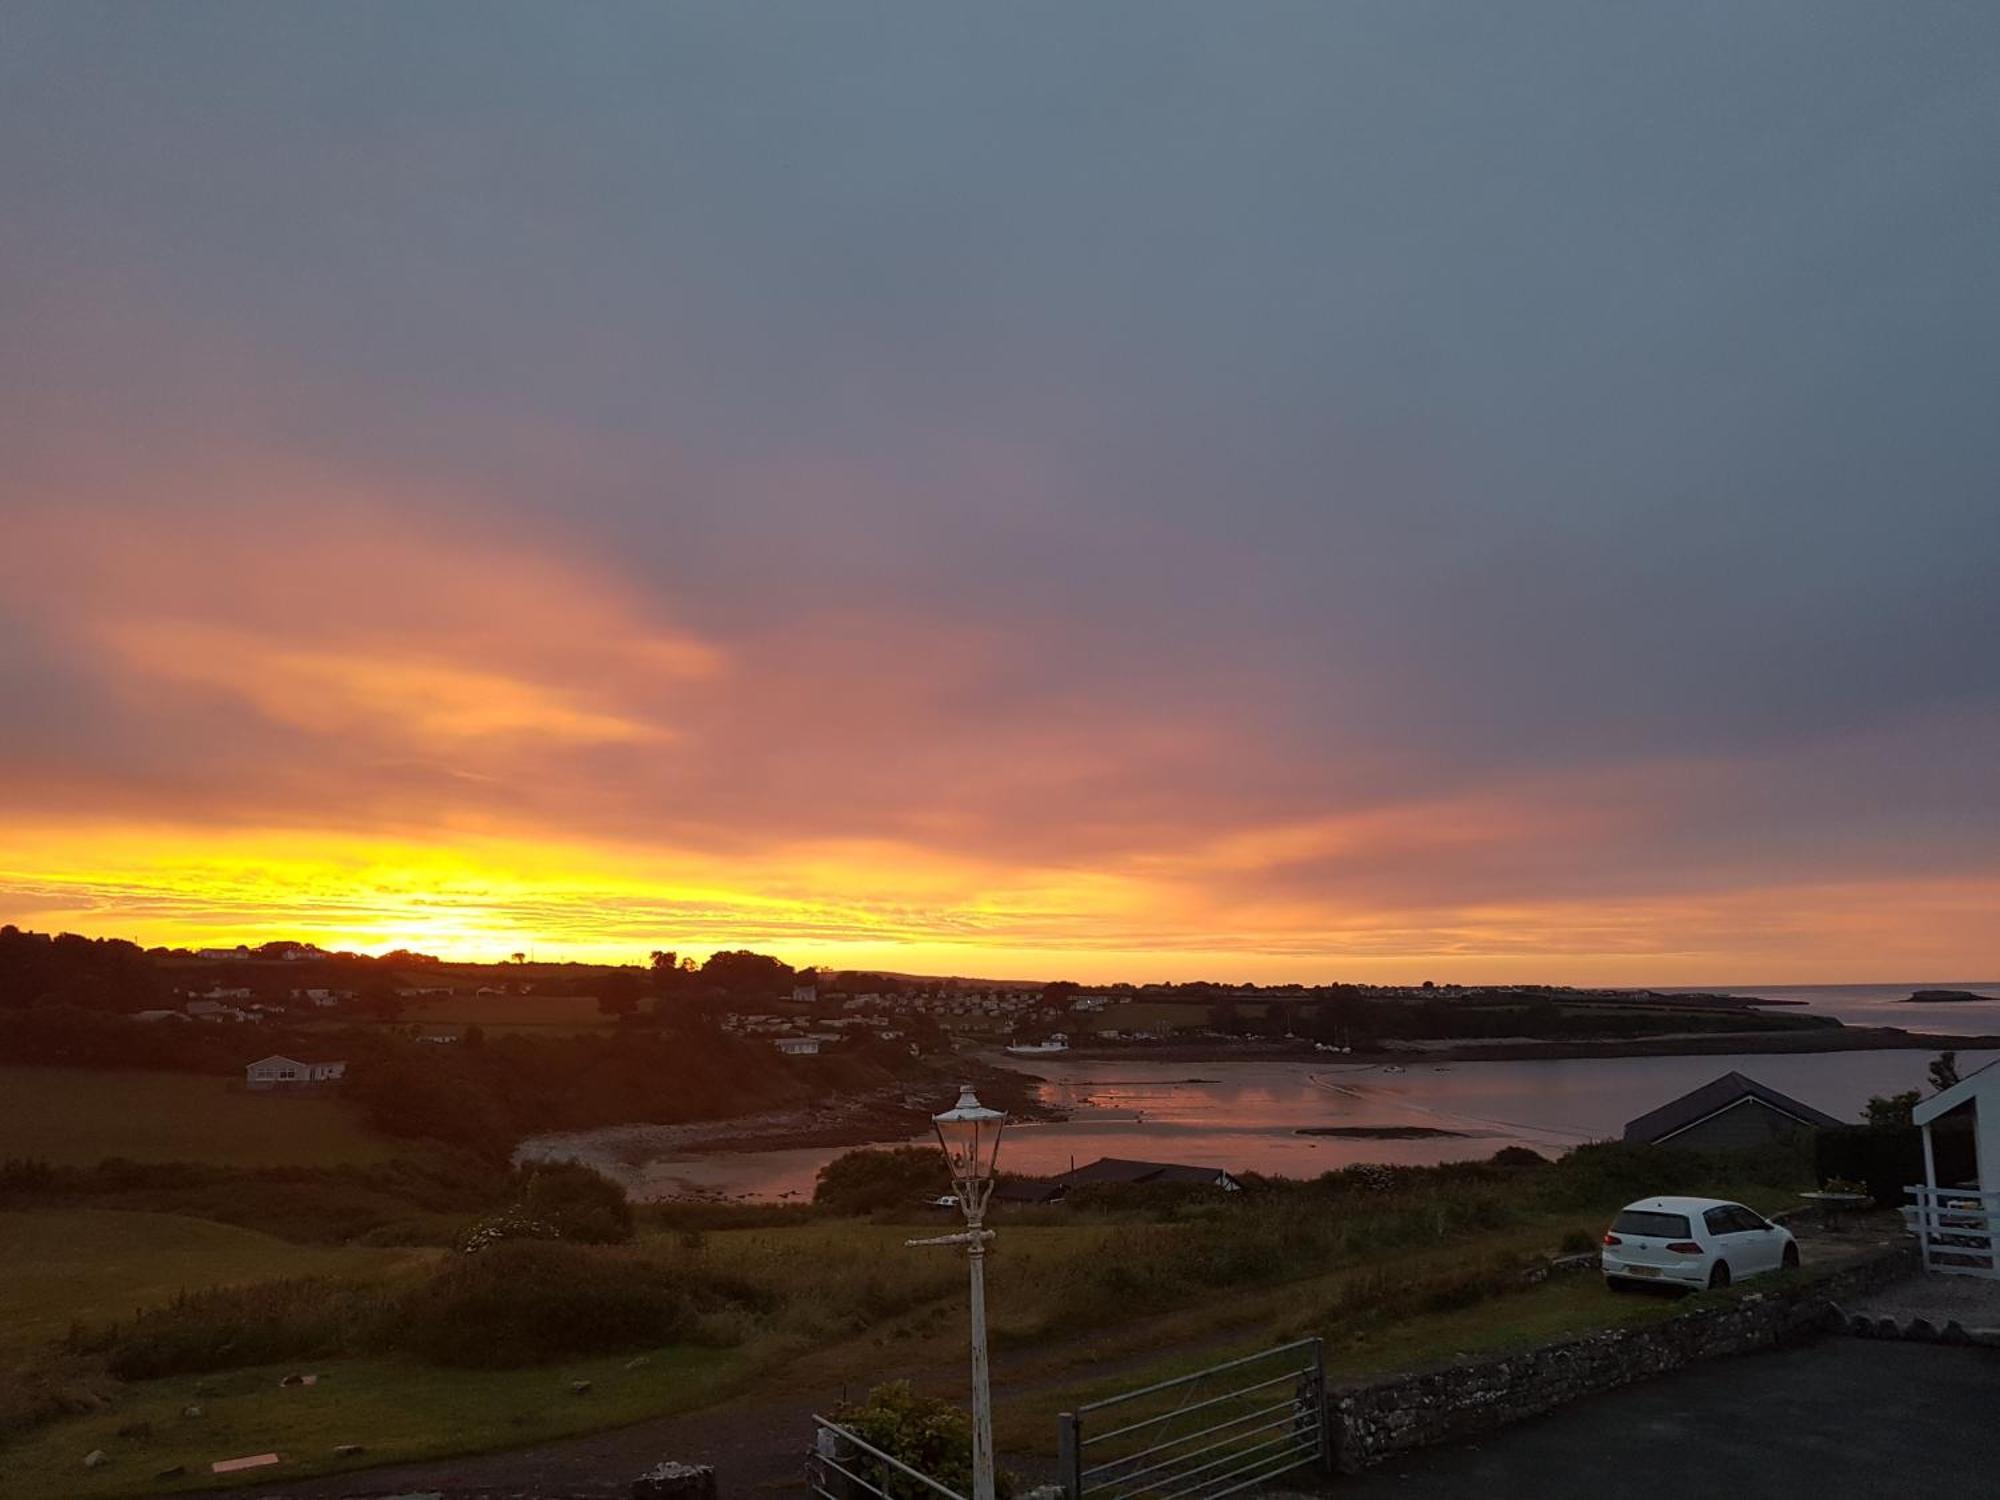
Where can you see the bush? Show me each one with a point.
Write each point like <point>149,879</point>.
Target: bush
<point>63,1385</point>
<point>1887,1160</point>
<point>581,1204</point>
<point>932,1436</point>
<point>226,1327</point>
<point>526,1302</point>
<point>863,1181</point>
<point>521,1302</point>
<point>503,1228</point>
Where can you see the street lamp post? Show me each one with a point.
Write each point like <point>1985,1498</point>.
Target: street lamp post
<point>969,1132</point>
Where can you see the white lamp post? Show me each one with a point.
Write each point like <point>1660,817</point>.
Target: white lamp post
<point>969,1132</point>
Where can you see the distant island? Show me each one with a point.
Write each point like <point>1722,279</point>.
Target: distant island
<point>1944,997</point>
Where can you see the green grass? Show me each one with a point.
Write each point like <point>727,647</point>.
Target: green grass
<point>1162,1016</point>
<point>1559,1308</point>
<point>398,1410</point>
<point>79,1116</point>
<point>844,1302</point>
<point>571,1012</point>
<point>96,1265</point>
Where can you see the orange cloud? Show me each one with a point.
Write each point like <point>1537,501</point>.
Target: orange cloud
<point>375,727</point>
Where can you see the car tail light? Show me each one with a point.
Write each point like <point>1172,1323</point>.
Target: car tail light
<point>1685,1247</point>
<point>1612,1239</point>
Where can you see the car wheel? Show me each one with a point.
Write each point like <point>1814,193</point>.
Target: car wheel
<point>1791,1257</point>
<point>1718,1275</point>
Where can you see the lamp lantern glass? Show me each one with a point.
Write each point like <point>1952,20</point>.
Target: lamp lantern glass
<point>969,1132</point>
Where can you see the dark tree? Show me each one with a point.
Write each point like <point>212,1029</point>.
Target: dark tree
<point>618,993</point>
<point>1892,1112</point>
<point>741,972</point>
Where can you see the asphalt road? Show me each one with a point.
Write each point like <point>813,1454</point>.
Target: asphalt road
<point>1838,1419</point>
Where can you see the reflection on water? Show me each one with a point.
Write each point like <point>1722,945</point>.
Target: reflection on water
<point>1244,1116</point>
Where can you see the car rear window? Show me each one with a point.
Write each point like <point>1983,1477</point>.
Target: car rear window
<point>1645,1221</point>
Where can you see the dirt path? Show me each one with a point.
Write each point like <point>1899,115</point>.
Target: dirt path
<point>757,1445</point>
<point>757,1448</point>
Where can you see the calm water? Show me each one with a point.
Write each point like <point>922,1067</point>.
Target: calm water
<point>1887,1004</point>
<point>1245,1115</point>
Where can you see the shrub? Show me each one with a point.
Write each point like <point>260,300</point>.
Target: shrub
<point>1887,1160</point>
<point>581,1204</point>
<point>226,1327</point>
<point>860,1182</point>
<point>525,1302</point>
<point>502,1228</point>
<point>932,1436</point>
<point>62,1385</point>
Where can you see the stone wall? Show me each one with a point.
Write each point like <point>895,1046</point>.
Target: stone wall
<point>1372,1422</point>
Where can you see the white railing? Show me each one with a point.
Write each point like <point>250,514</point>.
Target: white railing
<point>1955,1227</point>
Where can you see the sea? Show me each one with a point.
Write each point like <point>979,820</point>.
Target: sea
<point>1247,1116</point>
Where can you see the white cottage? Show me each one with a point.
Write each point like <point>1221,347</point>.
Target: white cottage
<point>294,1072</point>
<point>1959,1199</point>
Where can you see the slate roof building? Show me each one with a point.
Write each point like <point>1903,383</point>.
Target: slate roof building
<point>1118,1170</point>
<point>1733,1110</point>
<point>294,1073</point>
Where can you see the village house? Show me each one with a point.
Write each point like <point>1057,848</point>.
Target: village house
<point>294,1072</point>
<point>797,1046</point>
<point>1729,1112</point>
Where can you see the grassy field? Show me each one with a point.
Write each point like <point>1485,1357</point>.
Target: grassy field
<point>79,1116</point>
<point>395,1408</point>
<point>95,1265</point>
<point>1158,1016</point>
<point>537,1012</point>
<point>1081,1307</point>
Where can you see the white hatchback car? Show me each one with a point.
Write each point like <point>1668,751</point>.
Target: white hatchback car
<point>1692,1242</point>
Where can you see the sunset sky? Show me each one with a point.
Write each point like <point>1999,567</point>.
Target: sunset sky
<point>1136,490</point>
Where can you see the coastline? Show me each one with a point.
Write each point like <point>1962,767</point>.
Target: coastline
<point>891,1115</point>
<point>898,1114</point>
<point>1691,1044</point>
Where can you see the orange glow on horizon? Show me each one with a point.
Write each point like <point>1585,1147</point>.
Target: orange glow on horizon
<point>502,747</point>
<point>481,898</point>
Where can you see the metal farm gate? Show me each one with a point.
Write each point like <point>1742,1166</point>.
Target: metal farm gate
<point>1230,1427</point>
<point>845,1466</point>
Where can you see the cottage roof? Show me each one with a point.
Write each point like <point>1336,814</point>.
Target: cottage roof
<point>1119,1170</point>
<point>1677,1115</point>
<point>1027,1190</point>
<point>298,1062</point>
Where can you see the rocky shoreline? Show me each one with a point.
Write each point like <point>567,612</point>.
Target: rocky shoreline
<point>1525,1049</point>
<point>889,1115</point>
